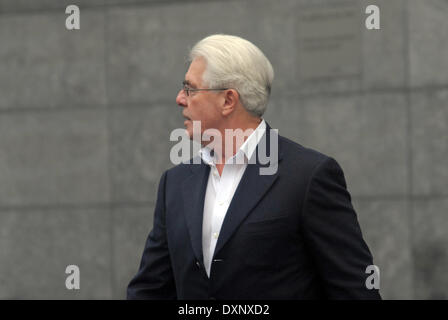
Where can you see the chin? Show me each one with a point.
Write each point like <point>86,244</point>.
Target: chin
<point>189,133</point>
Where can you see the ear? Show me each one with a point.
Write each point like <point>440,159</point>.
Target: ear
<point>231,100</point>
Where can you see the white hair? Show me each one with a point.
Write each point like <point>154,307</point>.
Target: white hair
<point>233,62</point>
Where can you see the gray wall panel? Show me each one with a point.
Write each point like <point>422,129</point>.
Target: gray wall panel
<point>385,227</point>
<point>45,65</point>
<point>131,227</point>
<point>49,241</point>
<point>384,50</point>
<point>140,149</point>
<point>428,43</point>
<point>15,6</point>
<point>366,134</point>
<point>53,157</point>
<point>430,142</point>
<point>430,244</point>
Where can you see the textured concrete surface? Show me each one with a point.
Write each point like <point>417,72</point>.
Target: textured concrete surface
<point>131,226</point>
<point>53,157</point>
<point>44,65</point>
<point>12,6</point>
<point>37,245</point>
<point>366,134</point>
<point>85,118</point>
<point>140,149</point>
<point>384,55</point>
<point>430,242</point>
<point>429,110</point>
<point>387,229</point>
<point>428,43</point>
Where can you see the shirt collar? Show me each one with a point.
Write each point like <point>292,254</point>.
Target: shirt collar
<point>207,156</point>
<point>247,148</point>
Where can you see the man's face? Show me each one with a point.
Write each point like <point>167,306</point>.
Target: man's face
<point>203,106</point>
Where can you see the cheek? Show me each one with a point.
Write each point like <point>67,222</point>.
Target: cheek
<point>206,112</point>
<point>211,109</point>
<point>209,119</point>
<point>203,110</point>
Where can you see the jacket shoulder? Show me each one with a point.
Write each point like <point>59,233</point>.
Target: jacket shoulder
<point>184,168</point>
<point>295,152</point>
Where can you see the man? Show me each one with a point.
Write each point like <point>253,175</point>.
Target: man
<point>224,230</point>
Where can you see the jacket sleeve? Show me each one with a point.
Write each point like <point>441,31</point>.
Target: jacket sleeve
<point>154,279</point>
<point>333,235</point>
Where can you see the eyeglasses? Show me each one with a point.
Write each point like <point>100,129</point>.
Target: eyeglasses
<point>187,89</point>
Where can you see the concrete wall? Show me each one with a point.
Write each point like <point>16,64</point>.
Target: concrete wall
<point>85,118</point>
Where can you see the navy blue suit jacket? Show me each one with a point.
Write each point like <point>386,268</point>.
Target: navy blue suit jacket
<point>290,235</point>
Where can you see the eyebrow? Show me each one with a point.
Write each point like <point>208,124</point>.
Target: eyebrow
<point>187,83</point>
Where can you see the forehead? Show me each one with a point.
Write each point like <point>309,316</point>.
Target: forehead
<point>194,74</point>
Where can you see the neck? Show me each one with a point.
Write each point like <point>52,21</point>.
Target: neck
<point>234,135</point>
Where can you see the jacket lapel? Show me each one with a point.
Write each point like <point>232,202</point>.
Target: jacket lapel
<point>250,191</point>
<point>193,193</point>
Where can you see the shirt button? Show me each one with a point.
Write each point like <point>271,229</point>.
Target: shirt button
<point>221,203</point>
<point>215,235</point>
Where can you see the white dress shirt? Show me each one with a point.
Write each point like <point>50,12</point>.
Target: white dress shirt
<point>220,190</point>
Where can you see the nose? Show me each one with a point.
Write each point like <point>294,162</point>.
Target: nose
<point>181,98</point>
